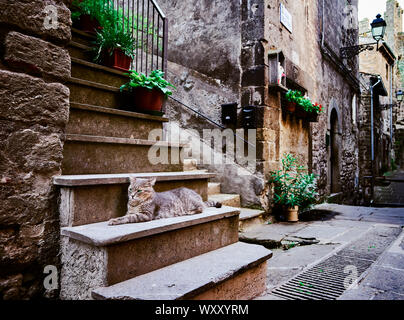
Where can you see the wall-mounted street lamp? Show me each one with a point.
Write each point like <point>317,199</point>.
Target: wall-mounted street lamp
<point>378,30</point>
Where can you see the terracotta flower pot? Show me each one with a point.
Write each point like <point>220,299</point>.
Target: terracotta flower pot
<point>118,60</point>
<point>291,106</point>
<point>291,214</point>
<point>144,100</point>
<point>88,23</point>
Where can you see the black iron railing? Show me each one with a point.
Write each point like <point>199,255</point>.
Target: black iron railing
<point>149,27</point>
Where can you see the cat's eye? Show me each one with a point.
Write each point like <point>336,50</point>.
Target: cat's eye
<point>139,191</point>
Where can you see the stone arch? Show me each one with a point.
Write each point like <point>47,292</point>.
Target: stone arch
<point>334,106</point>
<point>334,152</point>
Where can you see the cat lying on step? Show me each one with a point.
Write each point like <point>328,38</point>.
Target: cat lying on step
<point>145,204</point>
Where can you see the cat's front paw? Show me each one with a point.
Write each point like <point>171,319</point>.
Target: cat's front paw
<point>113,222</point>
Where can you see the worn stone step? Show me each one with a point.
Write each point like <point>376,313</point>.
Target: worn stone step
<point>250,218</point>
<point>86,199</point>
<point>88,92</point>
<point>231,200</point>
<point>122,252</point>
<point>213,188</point>
<point>235,272</point>
<point>82,37</point>
<point>79,51</point>
<point>85,70</point>
<point>85,154</point>
<point>86,119</point>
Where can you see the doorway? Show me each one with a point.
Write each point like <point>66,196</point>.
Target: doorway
<point>334,153</point>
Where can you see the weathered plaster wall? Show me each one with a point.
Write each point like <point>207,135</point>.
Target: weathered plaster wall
<point>204,35</point>
<point>34,108</point>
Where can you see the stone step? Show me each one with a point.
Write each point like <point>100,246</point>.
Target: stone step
<point>82,37</point>
<point>122,252</point>
<point>213,188</point>
<point>79,51</point>
<point>85,154</point>
<point>250,218</point>
<point>85,70</point>
<point>88,92</point>
<point>231,200</point>
<point>235,272</point>
<point>86,199</point>
<point>86,119</point>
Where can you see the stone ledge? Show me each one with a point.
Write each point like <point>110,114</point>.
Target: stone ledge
<point>104,179</point>
<point>246,214</point>
<point>94,85</point>
<point>101,234</point>
<point>98,67</point>
<point>178,281</point>
<point>127,141</point>
<point>143,116</point>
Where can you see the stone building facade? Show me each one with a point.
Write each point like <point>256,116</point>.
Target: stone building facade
<point>229,62</point>
<point>374,65</point>
<point>34,109</point>
<point>395,39</point>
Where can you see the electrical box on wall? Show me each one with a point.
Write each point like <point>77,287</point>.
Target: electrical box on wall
<point>249,117</point>
<point>229,113</point>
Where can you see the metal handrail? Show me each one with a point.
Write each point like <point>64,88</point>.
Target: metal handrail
<point>149,27</point>
<point>210,120</point>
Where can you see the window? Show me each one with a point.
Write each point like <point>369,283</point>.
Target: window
<point>354,109</point>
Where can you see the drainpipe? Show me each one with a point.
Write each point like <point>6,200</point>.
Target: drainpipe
<point>322,26</point>
<point>391,110</point>
<point>372,138</point>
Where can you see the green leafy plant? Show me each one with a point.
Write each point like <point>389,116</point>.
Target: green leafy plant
<point>293,186</point>
<point>155,80</point>
<point>297,97</point>
<point>101,10</point>
<point>113,37</point>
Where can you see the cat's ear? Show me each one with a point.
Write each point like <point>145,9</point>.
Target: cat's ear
<point>152,181</point>
<point>132,180</point>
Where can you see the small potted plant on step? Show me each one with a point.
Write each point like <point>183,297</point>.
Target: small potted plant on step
<point>90,15</point>
<point>294,188</point>
<point>114,47</point>
<point>146,93</point>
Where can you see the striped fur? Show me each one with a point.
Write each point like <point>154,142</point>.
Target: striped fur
<point>144,204</point>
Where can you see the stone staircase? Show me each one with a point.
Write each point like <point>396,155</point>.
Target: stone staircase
<point>191,257</point>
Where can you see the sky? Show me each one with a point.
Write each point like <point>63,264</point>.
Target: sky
<point>370,8</point>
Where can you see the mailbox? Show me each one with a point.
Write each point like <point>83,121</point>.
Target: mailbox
<point>249,117</point>
<point>229,113</point>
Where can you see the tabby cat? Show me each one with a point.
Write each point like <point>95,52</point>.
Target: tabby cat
<point>145,204</point>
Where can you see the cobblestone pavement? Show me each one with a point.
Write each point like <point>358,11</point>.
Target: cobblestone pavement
<point>338,229</point>
<point>392,193</point>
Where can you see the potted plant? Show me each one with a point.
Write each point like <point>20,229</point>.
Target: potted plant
<point>294,188</point>
<point>146,93</point>
<point>114,47</point>
<point>91,15</point>
<point>292,97</point>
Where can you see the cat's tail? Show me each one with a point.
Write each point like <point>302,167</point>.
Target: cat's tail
<point>213,204</point>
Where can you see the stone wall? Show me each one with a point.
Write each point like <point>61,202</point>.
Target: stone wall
<point>34,109</point>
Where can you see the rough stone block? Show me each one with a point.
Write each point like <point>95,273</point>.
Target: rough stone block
<point>31,16</point>
<point>30,100</point>
<point>36,56</point>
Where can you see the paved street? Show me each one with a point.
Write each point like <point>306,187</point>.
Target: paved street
<point>371,238</point>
